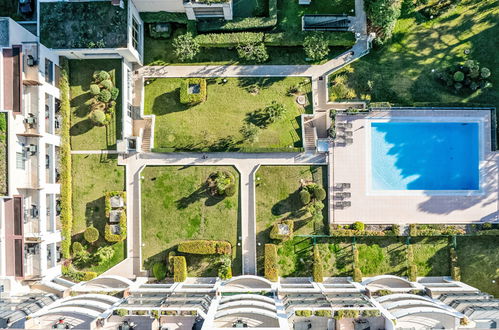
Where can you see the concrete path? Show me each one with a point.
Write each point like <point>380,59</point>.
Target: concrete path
<point>246,163</point>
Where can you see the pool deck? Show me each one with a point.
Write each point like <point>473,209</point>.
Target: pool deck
<point>350,163</point>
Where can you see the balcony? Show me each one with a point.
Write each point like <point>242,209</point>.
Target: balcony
<point>31,113</point>
<point>29,177</point>
<point>31,64</point>
<point>32,265</point>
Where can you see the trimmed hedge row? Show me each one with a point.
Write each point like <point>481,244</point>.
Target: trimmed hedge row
<point>323,313</point>
<point>454,267</point>
<point>274,233</point>
<point>357,273</point>
<point>412,269</point>
<point>179,268</point>
<point>164,17</point>
<point>304,313</point>
<point>205,247</point>
<point>224,40</point>
<point>270,264</point>
<point>65,161</point>
<point>434,230</point>
<point>186,98</point>
<point>317,271</point>
<point>242,24</point>
<point>107,199</point>
<point>110,237</point>
<point>346,314</point>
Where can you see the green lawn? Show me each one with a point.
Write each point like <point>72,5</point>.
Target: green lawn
<point>478,258</point>
<point>84,134</point>
<point>250,8</point>
<point>337,257</point>
<point>277,199</point>
<point>207,126</point>
<point>382,255</point>
<point>93,176</point>
<point>176,207</point>
<point>401,71</point>
<point>431,256</point>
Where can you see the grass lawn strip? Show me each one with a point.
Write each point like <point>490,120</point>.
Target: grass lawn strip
<point>431,256</point>
<point>84,134</point>
<point>206,125</point>
<point>381,255</point>
<point>176,207</point>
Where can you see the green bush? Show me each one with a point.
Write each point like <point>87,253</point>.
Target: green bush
<point>316,46</point>
<point>91,234</point>
<point>383,292</point>
<point>179,269</point>
<point>304,197</point>
<point>371,313</point>
<point>225,269</point>
<point>270,263</point>
<point>274,232</point>
<point>101,76</point>
<point>205,247</point>
<point>230,190</point>
<point>65,162</point>
<point>413,273</point>
<point>357,225</point>
<point>297,38</point>
<point>346,314</point>
<point>317,272</point>
<point>185,46</point>
<point>104,253</point>
<point>383,15</point>
<point>98,117</point>
<point>357,274</point>
<point>114,93</point>
<point>253,52</point>
<point>107,84</point>
<point>319,193</point>
<point>355,256</point>
<point>304,313</point>
<point>104,96</point>
<point>87,276</point>
<point>94,89</point>
<point>164,17</point>
<point>395,230</point>
<point>323,313</point>
<point>159,271</point>
<point>456,273</point>
<point>77,247</point>
<point>458,76</point>
<point>228,40</point>
<point>121,312</point>
<point>186,98</point>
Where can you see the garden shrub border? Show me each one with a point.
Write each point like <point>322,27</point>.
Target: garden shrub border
<point>204,247</point>
<point>186,98</point>
<point>110,237</point>
<point>317,271</point>
<point>107,200</point>
<point>271,268</point>
<point>274,233</point>
<point>412,269</point>
<point>179,269</point>
<point>454,266</point>
<point>346,313</point>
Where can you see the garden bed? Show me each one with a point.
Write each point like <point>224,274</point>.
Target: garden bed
<point>217,123</point>
<point>176,207</point>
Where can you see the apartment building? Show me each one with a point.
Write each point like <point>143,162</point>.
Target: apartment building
<point>29,208</point>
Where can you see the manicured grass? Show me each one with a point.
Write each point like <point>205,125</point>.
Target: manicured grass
<point>277,198</point>
<point>478,258</point>
<point>337,257</point>
<point>84,134</point>
<point>176,207</point>
<point>431,256</point>
<point>159,52</point>
<point>207,125</point>
<point>93,176</point>
<point>401,71</point>
<point>382,255</point>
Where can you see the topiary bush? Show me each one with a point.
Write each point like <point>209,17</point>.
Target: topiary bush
<point>275,231</point>
<point>77,247</point>
<point>191,98</point>
<point>323,313</point>
<point>358,226</point>
<point>205,247</point>
<point>304,197</point>
<point>319,193</point>
<point>91,234</point>
<point>179,269</point>
<point>107,84</point>
<point>104,96</point>
<point>101,76</point>
<point>114,93</point>
<point>346,314</point>
<point>98,117</point>
<point>94,89</point>
<point>270,263</point>
<point>159,271</point>
<point>304,313</point>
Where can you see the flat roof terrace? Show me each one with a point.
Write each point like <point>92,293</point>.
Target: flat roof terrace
<point>352,165</point>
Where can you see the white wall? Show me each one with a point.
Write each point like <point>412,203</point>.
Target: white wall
<point>174,6</point>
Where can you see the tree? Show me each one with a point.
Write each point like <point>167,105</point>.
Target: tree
<point>304,197</point>
<point>458,76</point>
<point>253,52</point>
<point>250,132</point>
<point>98,117</point>
<point>91,234</point>
<point>383,15</point>
<point>270,114</point>
<point>316,46</point>
<point>319,193</point>
<point>104,253</point>
<point>94,89</point>
<point>159,271</point>
<point>185,47</point>
<point>104,96</point>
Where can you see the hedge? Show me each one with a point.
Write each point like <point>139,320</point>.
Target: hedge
<point>357,274</point>
<point>242,24</point>
<point>65,160</point>
<point>179,269</point>
<point>412,269</point>
<point>434,230</point>
<point>305,313</point>
<point>323,313</point>
<point>205,247</point>
<point>186,98</point>
<point>317,267</point>
<point>110,237</point>
<point>355,256</point>
<point>383,292</point>
<point>224,40</point>
<point>91,234</point>
<point>274,233</point>
<point>270,263</point>
<point>107,200</point>
<point>455,270</point>
<point>371,313</point>
<point>77,276</point>
<point>159,271</point>
<point>164,17</point>
<point>346,313</point>
<point>297,38</point>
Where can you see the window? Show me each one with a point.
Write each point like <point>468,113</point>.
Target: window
<point>129,111</point>
<point>49,71</point>
<point>20,164</point>
<point>135,33</point>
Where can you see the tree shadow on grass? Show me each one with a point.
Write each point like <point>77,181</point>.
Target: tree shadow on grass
<point>95,213</point>
<point>168,102</point>
<point>79,103</point>
<point>291,204</point>
<point>197,195</point>
<point>81,127</point>
<point>262,83</point>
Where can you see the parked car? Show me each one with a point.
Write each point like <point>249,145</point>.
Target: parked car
<point>26,7</point>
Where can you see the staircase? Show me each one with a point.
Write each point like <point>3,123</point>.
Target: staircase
<point>146,136</point>
<point>310,136</point>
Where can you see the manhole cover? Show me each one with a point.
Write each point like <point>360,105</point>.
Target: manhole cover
<point>301,100</point>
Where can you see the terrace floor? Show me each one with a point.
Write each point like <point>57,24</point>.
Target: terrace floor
<point>350,166</point>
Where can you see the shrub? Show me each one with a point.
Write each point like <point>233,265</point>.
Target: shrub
<point>219,181</point>
<point>229,40</point>
<point>98,117</point>
<point>297,38</point>
<point>358,226</point>
<point>395,230</point>
<point>225,269</point>
<point>179,269</point>
<point>114,93</point>
<point>186,97</point>
<point>274,233</point>
<point>159,271</point>
<point>250,132</point>
<point>346,314</point>
<point>456,273</point>
<point>371,313</point>
<point>205,247</point>
<point>104,253</point>
<point>104,96</point>
<point>304,313</point>
<point>383,292</point>
<point>164,17</point>
<point>185,46</point>
<point>355,256</point>
<point>270,263</point>
<point>77,247</point>
<point>91,234</point>
<point>317,272</point>
<point>121,312</point>
<point>94,89</point>
<point>107,84</point>
<point>357,274</point>
<point>485,73</point>
<point>319,193</point>
<point>316,46</point>
<point>413,230</point>
<point>87,276</point>
<point>270,114</point>
<point>111,237</point>
<point>230,190</point>
<point>253,52</point>
<point>304,197</point>
<point>101,76</point>
<point>323,313</point>
<point>458,76</point>
<point>413,273</point>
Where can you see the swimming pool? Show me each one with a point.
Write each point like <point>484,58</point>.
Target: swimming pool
<point>424,156</point>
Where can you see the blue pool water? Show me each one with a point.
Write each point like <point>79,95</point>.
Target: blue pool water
<point>424,156</point>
